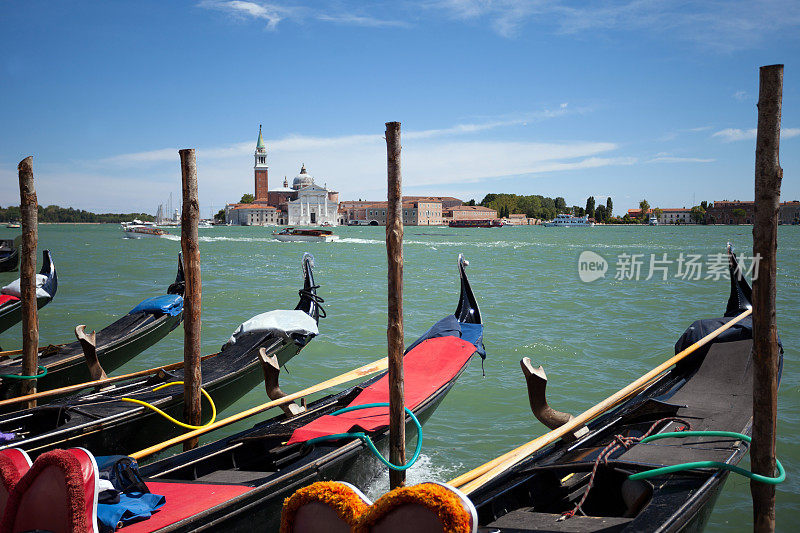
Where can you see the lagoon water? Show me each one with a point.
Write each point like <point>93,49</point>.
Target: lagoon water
<point>592,337</point>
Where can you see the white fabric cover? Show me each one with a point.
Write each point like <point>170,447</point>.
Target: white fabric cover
<point>13,288</point>
<point>281,322</point>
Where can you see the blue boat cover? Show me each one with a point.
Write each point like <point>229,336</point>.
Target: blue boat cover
<point>450,326</point>
<point>168,304</point>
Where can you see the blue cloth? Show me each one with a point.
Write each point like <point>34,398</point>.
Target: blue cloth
<point>169,304</point>
<point>131,507</point>
<point>449,326</point>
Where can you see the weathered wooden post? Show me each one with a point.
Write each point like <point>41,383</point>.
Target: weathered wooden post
<point>394,331</point>
<point>765,331</point>
<point>192,379</point>
<point>27,276</point>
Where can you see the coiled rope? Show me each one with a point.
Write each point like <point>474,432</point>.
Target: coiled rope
<point>42,373</point>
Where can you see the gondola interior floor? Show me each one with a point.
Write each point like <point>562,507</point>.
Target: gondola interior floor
<point>184,500</point>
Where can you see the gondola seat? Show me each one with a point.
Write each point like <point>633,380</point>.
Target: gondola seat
<point>323,507</point>
<point>426,369</point>
<point>58,493</point>
<point>14,463</point>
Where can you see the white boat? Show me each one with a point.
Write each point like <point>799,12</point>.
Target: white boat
<point>653,221</point>
<point>138,230</point>
<point>305,235</point>
<point>569,221</point>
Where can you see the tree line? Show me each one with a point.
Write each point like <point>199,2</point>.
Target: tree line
<point>545,208</point>
<point>54,213</point>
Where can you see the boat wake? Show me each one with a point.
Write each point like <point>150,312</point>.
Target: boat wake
<point>423,470</point>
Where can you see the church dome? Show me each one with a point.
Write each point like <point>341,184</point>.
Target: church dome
<point>304,179</point>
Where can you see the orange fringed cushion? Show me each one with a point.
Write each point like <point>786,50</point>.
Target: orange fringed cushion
<point>342,498</point>
<point>441,500</point>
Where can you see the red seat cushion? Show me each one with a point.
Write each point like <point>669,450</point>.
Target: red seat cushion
<point>5,298</point>
<point>14,463</point>
<point>426,369</point>
<point>184,500</point>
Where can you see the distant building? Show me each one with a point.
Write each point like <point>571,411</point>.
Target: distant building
<point>469,212</point>
<point>417,211</point>
<point>789,213</point>
<point>304,203</point>
<point>722,212</point>
<point>675,215</point>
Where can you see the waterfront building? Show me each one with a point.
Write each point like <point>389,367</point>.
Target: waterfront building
<point>469,212</point>
<point>789,213</point>
<point>304,203</point>
<point>675,215</point>
<point>722,212</point>
<point>424,212</point>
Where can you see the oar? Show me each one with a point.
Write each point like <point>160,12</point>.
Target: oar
<point>483,474</point>
<point>78,386</point>
<point>360,372</point>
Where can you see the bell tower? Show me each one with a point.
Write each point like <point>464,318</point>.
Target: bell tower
<point>261,169</point>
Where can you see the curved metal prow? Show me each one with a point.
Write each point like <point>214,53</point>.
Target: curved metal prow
<point>179,287</point>
<point>49,270</point>
<point>536,380</point>
<point>467,309</point>
<point>309,301</point>
<point>741,296</point>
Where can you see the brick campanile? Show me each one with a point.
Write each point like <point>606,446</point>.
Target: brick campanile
<point>261,169</point>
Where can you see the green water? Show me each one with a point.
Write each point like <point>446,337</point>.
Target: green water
<point>592,338</point>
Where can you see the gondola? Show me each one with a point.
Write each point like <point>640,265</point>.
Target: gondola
<point>583,484</point>
<point>105,423</point>
<point>146,324</point>
<point>46,288</point>
<point>240,481</point>
<point>9,254</point>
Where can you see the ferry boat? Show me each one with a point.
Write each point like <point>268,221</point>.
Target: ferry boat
<point>568,221</point>
<point>476,223</point>
<point>138,229</point>
<point>305,235</point>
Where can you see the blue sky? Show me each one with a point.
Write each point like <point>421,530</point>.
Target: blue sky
<point>633,99</point>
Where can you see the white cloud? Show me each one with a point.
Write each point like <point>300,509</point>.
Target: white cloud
<point>664,158</point>
<point>741,96</point>
<point>723,25</point>
<point>272,13</point>
<point>736,134</point>
<point>456,158</point>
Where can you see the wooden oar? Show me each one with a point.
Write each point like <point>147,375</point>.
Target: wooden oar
<point>483,474</point>
<point>360,372</point>
<point>78,386</point>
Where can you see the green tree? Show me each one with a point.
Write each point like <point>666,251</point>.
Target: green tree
<point>645,208</point>
<point>739,214</point>
<point>247,198</point>
<point>609,208</point>
<point>220,216</point>
<point>704,205</point>
<point>600,214</point>
<point>471,202</point>
<point>698,213</point>
<point>590,207</point>
<point>561,205</point>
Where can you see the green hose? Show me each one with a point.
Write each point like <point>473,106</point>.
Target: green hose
<point>42,373</point>
<point>368,441</point>
<point>708,464</point>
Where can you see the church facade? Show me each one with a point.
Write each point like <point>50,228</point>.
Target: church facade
<point>303,204</point>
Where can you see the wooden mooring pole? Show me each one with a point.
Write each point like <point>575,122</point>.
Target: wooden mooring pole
<point>28,207</point>
<point>192,379</point>
<point>394,331</point>
<point>768,177</point>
